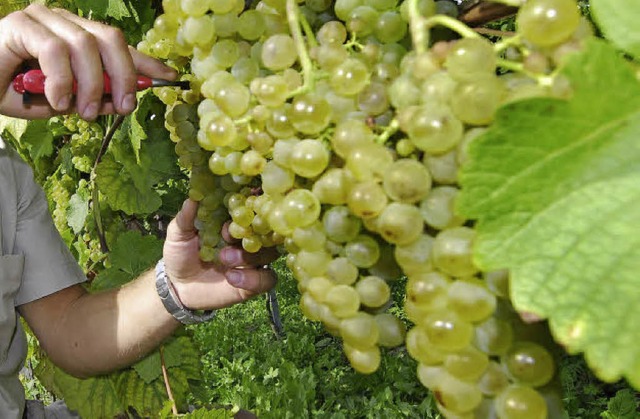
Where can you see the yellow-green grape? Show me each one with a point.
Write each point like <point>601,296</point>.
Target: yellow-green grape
<point>529,363</point>
<point>430,375</point>
<point>438,88</point>
<point>349,135</point>
<point>494,380</point>
<point>278,52</point>
<point>309,158</point>
<point>392,330</point>
<point>310,114</point>
<point>475,102</point>
<point>332,32</point>
<point>400,223</point>
<point>359,331</point>
<point>310,237</point>
<point>369,162</point>
<point>310,308</point>
<point>342,271</point>
<point>546,23</point>
<point>373,291</point>
<point>470,58</point>
<point>452,251</point>
<point>330,321</point>
<point>209,254</point>
<point>443,167</point>
<point>422,349</point>
<point>494,336</point>
<point>278,125</point>
<point>198,30</point>
<point>498,282</point>
<point>456,395</point>
<point>318,287</point>
<point>252,244</point>
<point>362,20</point>
<point>242,215</point>
<point>437,208</point>
<point>220,132</point>
<point>340,225</point>
<point>366,199</point>
<point>271,90</point>
<point>349,77</point>
<point>343,300</point>
<point>363,251</point>
<point>333,187</point>
<point>301,208</point>
<point>314,263</point>
<point>428,290</point>
<point>365,361</point>
<point>407,180</point>
<point>415,257</point>
<point>447,331</point>
<point>373,99</point>
<point>434,129</point>
<point>471,299</point>
<point>520,402</point>
<point>276,179</point>
<point>252,163</point>
<point>468,364</point>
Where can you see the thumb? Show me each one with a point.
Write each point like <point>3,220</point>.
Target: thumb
<point>183,226</point>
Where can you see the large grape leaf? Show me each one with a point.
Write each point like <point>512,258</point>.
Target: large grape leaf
<point>619,22</point>
<point>178,352</point>
<point>555,187</point>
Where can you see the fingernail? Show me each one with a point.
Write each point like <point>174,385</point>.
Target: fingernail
<point>91,111</point>
<point>64,103</point>
<point>128,103</point>
<point>234,278</point>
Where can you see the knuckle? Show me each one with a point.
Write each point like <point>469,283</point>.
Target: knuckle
<point>36,8</point>
<point>83,40</point>
<point>18,18</point>
<point>55,47</point>
<point>114,36</point>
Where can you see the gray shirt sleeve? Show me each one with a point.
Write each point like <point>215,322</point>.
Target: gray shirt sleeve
<point>48,264</point>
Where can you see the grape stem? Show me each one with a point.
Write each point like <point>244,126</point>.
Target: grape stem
<point>419,27</point>
<point>513,41</point>
<point>308,31</point>
<point>293,18</point>
<point>389,130</point>
<point>542,79</point>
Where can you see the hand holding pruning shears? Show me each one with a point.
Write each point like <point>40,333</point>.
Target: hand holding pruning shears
<point>76,56</point>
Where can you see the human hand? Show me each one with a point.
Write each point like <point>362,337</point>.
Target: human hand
<point>201,285</point>
<point>68,47</point>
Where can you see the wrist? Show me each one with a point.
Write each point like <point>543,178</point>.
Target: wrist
<point>171,300</point>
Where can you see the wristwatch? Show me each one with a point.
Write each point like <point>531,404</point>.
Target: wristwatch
<point>173,304</point>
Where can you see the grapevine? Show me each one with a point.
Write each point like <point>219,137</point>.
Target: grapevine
<point>334,131</point>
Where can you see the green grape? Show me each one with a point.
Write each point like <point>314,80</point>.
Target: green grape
<point>341,271</point>
<point>314,263</point>
<point>423,65</point>
<point>318,5</point>
<point>407,180</point>
<point>279,125</point>
<point>245,69</point>
<point>422,350</point>
<point>373,99</point>
<point>310,114</point>
<point>364,361</point>
<point>309,158</point>
<point>359,331</point>
<point>318,287</point>
<point>362,20</point>
<point>282,151</point>
<point>373,291</point>
<point>369,162</point>
<point>333,187</point>
<point>498,282</point>
<point>278,52</point>
<point>456,395</point>
<point>271,90</point>
<point>434,129</point>
<point>437,208</point>
<point>252,244</point>
<point>391,330</point>
<point>310,308</point>
<point>332,32</point>
<point>233,99</point>
<point>350,77</point>
<point>402,92</point>
<point>448,331</point>
<point>301,208</point>
<point>471,299</point>
<point>366,199</point>
<point>260,141</point>
<point>343,8</point>
<point>390,27</point>
<point>415,257</point>
<point>470,58</point>
<point>329,56</point>
<point>475,102</point>
<point>251,25</point>
<point>494,380</point>
<point>400,223</point>
<point>340,225</point>
<point>426,8</point>
<point>438,87</point>
<point>529,363</point>
<point>443,167</point>
<point>221,6</point>
<point>452,251</point>
<point>194,7</point>
<point>242,216</point>
<point>252,163</point>
<point>520,402</point>
<point>349,135</point>
<point>546,23</point>
<point>225,24</point>
<point>468,364</point>
<point>343,300</point>
<point>311,237</point>
<point>198,30</point>
<point>494,336</point>
<point>428,290</point>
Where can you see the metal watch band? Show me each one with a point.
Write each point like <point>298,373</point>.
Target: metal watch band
<point>173,304</point>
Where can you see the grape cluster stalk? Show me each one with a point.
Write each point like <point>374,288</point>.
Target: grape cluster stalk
<point>334,130</point>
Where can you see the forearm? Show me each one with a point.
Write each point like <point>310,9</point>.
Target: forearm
<point>101,332</point>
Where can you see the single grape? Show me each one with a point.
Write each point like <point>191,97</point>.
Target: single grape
<point>520,402</point>
<point>546,23</point>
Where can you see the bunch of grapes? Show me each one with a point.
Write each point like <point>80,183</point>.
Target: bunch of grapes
<point>85,141</point>
<point>60,187</point>
<point>333,131</point>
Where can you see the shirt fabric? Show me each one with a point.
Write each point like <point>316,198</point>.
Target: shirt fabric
<point>34,263</point>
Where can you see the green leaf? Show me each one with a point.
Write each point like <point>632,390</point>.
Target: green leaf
<point>91,398</point>
<point>14,126</point>
<point>38,139</point>
<point>131,255</point>
<point>126,187</point>
<point>555,187</point>
<point>622,406</point>
<point>77,212</point>
<point>178,352</point>
<point>619,23</point>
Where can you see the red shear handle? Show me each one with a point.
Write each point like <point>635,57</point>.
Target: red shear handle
<point>33,82</point>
